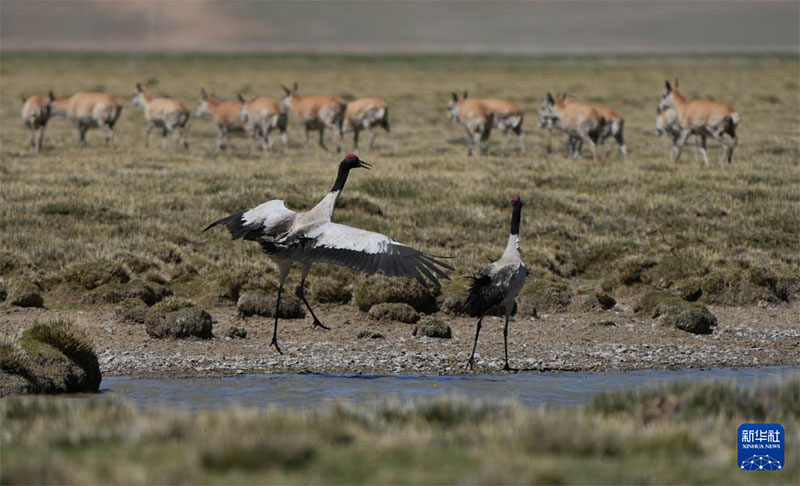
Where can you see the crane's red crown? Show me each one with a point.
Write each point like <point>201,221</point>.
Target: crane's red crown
<point>351,158</point>
<point>515,197</point>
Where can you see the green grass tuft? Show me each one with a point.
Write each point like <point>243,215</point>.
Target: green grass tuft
<point>71,341</point>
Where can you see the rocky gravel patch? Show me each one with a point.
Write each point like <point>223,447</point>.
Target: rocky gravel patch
<point>612,340</point>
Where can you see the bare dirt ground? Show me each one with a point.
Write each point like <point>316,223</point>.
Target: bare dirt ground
<point>611,340</point>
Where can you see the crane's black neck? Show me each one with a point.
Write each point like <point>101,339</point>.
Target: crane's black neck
<point>515,217</point>
<point>341,178</point>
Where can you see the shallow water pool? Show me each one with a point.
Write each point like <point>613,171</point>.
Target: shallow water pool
<point>304,391</point>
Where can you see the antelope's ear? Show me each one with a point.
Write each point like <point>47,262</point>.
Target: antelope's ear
<point>550,98</point>
<point>465,94</point>
<point>138,86</point>
<point>51,95</point>
<point>285,89</point>
<point>454,95</point>
<point>669,87</point>
<point>241,98</point>
<point>203,93</point>
<point>294,87</point>
<point>23,98</point>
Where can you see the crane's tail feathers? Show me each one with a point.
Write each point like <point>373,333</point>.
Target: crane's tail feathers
<point>235,225</point>
<point>482,296</point>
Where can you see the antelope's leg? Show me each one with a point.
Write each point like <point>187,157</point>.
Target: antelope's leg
<point>681,142</point>
<point>40,139</point>
<point>322,138</point>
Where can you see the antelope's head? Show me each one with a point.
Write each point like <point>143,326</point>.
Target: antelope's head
<point>286,99</point>
<point>203,108</point>
<point>668,98</point>
<point>244,113</point>
<point>453,108</point>
<point>548,116</point>
<point>139,96</point>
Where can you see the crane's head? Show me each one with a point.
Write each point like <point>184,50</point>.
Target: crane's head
<point>516,201</point>
<point>353,162</point>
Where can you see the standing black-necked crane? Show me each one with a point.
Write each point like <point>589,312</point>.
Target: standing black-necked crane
<point>310,237</point>
<point>498,283</point>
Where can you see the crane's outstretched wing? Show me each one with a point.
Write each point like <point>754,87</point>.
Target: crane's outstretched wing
<point>269,219</point>
<point>364,251</point>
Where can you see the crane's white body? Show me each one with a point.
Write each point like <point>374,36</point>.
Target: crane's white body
<point>309,237</point>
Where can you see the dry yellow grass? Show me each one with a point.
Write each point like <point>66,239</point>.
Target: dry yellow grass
<point>586,224</point>
<point>683,434</point>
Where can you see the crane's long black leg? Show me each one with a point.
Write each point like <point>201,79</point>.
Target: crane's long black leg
<point>505,342</point>
<point>301,292</point>
<point>277,312</point>
<point>471,362</point>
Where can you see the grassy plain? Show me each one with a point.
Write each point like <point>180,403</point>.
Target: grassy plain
<point>683,434</point>
<point>625,225</point>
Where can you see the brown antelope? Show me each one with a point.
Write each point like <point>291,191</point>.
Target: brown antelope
<point>316,113</point>
<point>87,110</point>
<point>35,113</point>
<point>703,118</point>
<point>667,123</point>
<point>578,120</point>
<point>260,117</point>
<point>613,127</point>
<point>226,114</point>
<point>507,118</point>
<point>168,114</point>
<point>476,118</point>
<point>365,113</point>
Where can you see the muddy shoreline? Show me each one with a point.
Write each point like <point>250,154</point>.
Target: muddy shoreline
<point>615,340</point>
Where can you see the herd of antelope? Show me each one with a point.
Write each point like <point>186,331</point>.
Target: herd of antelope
<point>257,118</point>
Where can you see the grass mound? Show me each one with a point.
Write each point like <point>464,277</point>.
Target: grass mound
<point>90,275</point>
<point>111,293</point>
<point>72,342</point>
<point>378,290</point>
<point>12,358</point>
<point>732,286</point>
<point>676,312</point>
<point>542,295</point>
<point>332,290</point>
<point>51,357</point>
<point>257,303</point>
<point>166,306</point>
<point>394,312</point>
<point>178,318</point>
<point>23,293</point>
<point>132,310</point>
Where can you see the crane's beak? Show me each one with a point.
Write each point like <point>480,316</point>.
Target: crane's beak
<point>364,165</point>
